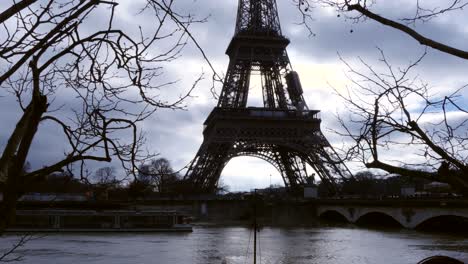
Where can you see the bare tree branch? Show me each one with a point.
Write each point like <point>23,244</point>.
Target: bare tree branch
<point>363,10</point>
<point>391,122</point>
<point>11,255</point>
<point>14,9</point>
<point>409,31</point>
<point>94,86</point>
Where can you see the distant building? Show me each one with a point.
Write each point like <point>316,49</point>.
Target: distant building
<point>440,189</point>
<point>437,187</point>
<point>53,197</point>
<point>271,189</point>
<point>310,191</point>
<point>407,191</point>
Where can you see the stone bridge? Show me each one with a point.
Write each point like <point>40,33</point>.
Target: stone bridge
<point>408,213</point>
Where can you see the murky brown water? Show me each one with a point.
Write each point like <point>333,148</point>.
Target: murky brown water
<point>323,245</point>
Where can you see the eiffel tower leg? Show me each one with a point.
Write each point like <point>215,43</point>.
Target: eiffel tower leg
<point>300,169</point>
<point>294,170</point>
<point>323,172</point>
<point>332,160</point>
<point>278,159</point>
<point>205,169</point>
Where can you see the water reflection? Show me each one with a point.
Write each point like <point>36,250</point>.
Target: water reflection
<point>233,245</point>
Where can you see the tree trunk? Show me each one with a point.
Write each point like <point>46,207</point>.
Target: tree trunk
<point>14,157</point>
<point>10,196</point>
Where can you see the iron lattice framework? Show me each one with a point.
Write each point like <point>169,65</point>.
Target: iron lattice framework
<point>284,132</point>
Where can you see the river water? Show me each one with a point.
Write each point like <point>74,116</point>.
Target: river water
<point>320,245</point>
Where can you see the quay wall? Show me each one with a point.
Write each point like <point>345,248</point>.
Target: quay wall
<point>408,213</point>
<point>242,212</point>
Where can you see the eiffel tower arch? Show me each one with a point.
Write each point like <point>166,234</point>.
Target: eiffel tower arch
<point>284,132</point>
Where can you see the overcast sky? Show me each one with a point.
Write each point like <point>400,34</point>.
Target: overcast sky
<point>177,135</point>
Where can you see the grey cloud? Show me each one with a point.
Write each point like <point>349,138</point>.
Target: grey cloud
<point>9,114</point>
<point>177,134</point>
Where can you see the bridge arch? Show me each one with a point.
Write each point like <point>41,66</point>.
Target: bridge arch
<point>445,223</point>
<point>337,210</point>
<point>334,216</point>
<point>408,217</point>
<point>378,219</point>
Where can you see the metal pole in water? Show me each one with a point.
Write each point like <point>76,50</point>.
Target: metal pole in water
<point>255,226</point>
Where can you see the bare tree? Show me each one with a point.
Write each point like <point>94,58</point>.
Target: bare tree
<point>394,112</point>
<point>105,176</point>
<point>158,174</point>
<point>222,187</point>
<point>93,81</point>
<point>382,115</point>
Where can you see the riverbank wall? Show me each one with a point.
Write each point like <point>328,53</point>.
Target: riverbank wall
<point>222,212</point>
<point>411,214</point>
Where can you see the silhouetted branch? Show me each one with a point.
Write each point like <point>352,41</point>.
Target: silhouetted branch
<point>409,31</point>
<point>11,255</point>
<point>14,9</point>
<point>383,118</point>
<point>106,79</point>
<point>363,10</point>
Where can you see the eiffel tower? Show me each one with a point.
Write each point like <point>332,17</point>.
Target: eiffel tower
<point>284,132</point>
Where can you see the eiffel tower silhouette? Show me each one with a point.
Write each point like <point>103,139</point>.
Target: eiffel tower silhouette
<point>284,132</point>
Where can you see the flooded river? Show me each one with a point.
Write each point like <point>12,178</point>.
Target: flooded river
<point>321,245</point>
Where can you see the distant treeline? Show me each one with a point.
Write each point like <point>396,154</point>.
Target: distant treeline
<point>367,184</point>
<point>155,178</point>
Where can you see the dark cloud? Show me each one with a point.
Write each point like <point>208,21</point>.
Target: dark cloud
<point>9,115</point>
